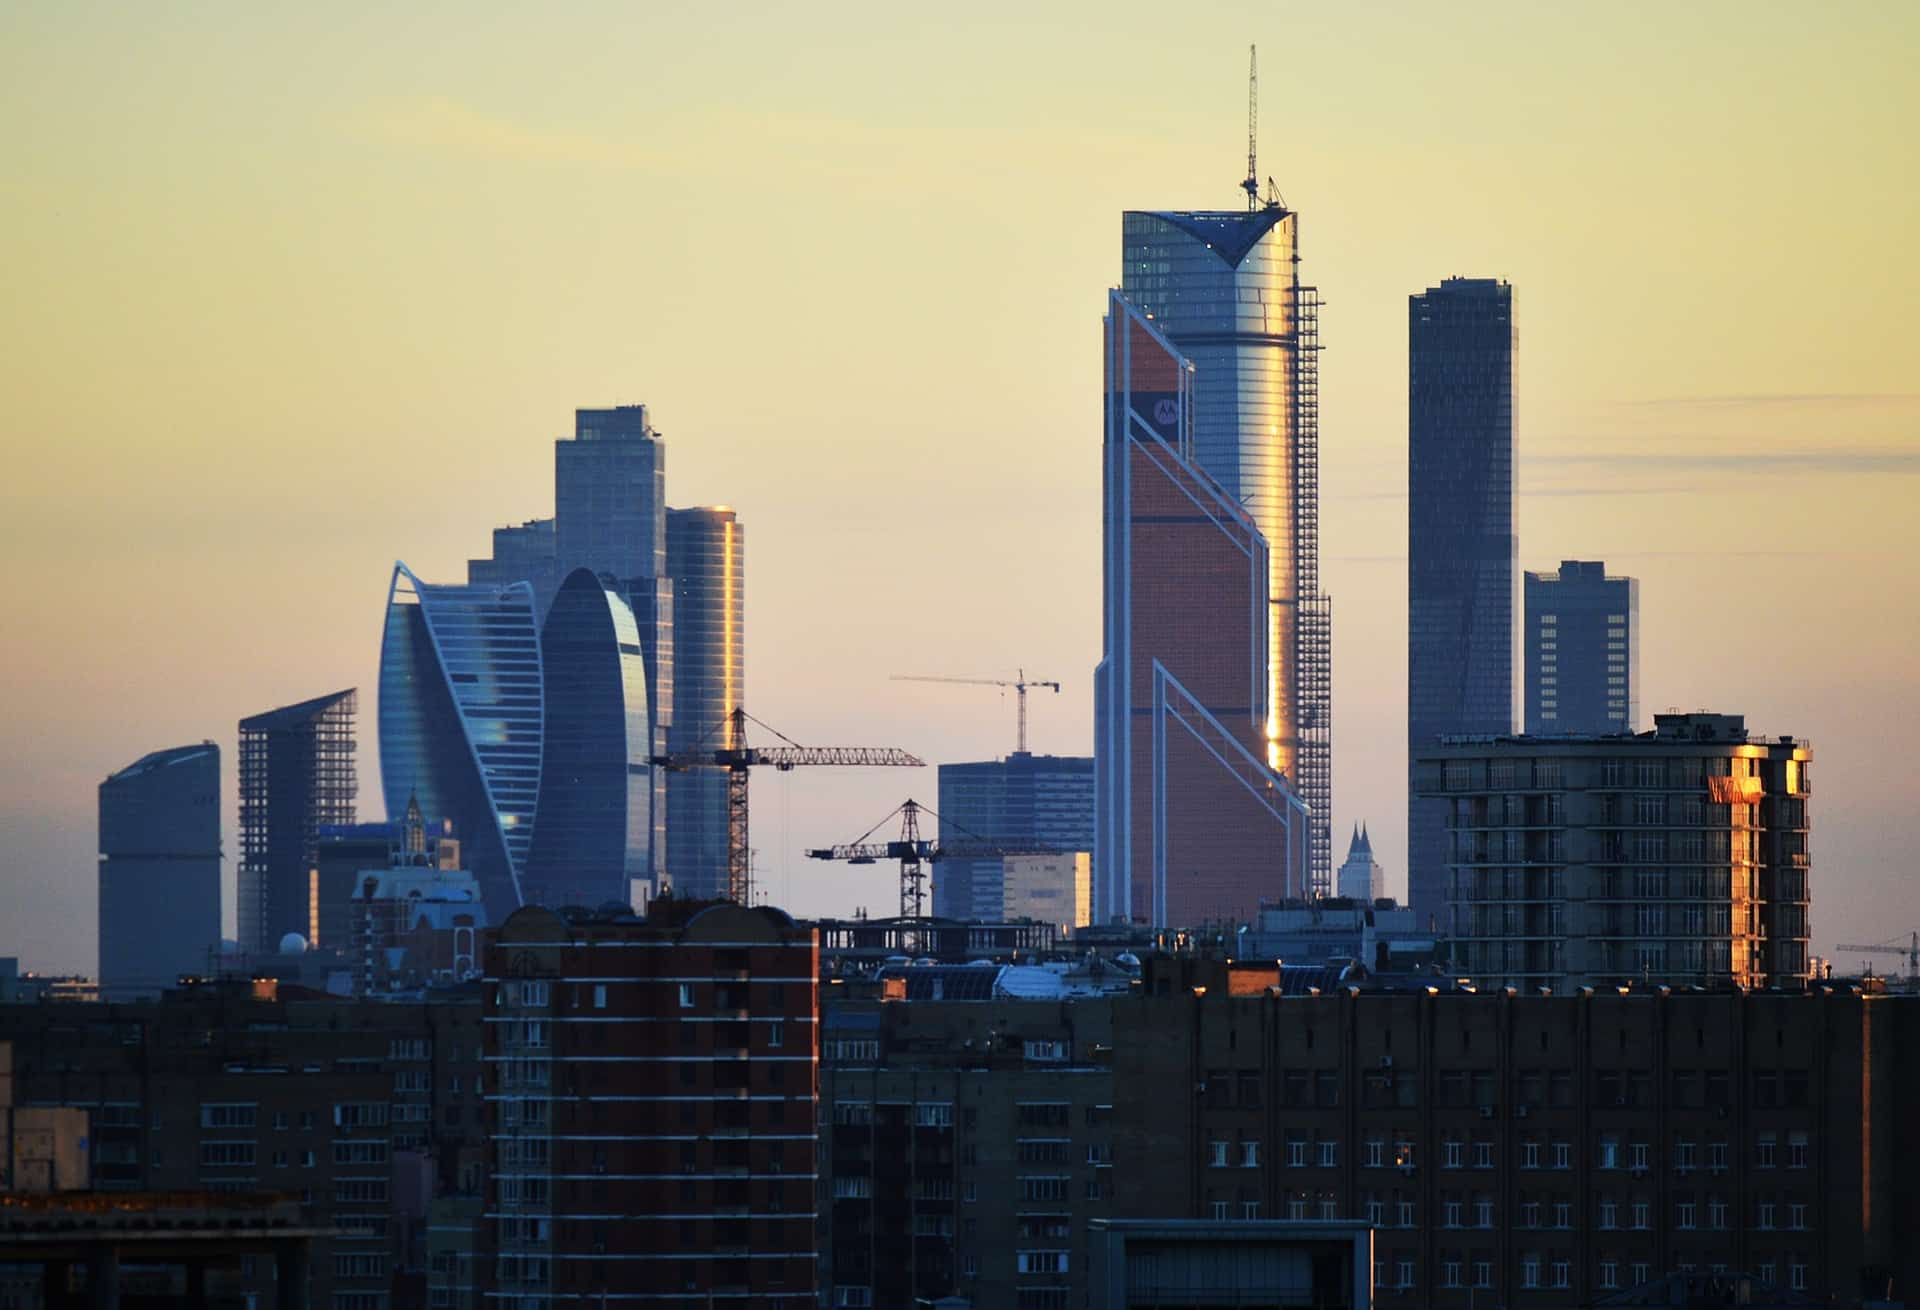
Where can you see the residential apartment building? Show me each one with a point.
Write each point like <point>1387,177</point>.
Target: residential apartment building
<point>653,1108</point>
<point>361,1112</point>
<point>1527,1150</point>
<point>965,1141</point>
<point>1678,855</point>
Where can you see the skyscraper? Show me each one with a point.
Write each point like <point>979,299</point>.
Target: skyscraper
<point>706,558</point>
<point>462,720</point>
<point>1192,824</point>
<point>1361,878</point>
<point>159,870</point>
<point>1460,542</point>
<point>1224,288</point>
<point>1582,642</point>
<point>522,553</point>
<point>1043,799</point>
<point>296,775</point>
<point>590,841</point>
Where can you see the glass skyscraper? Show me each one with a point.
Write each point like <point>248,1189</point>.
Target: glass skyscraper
<point>462,721</point>
<point>1043,799</point>
<point>159,870</point>
<point>706,557</point>
<point>1224,287</point>
<point>1192,824</point>
<point>592,835</point>
<point>1582,644</point>
<point>1460,543</point>
<point>296,776</point>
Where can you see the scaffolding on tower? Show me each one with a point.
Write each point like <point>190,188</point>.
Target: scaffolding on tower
<point>1313,664</point>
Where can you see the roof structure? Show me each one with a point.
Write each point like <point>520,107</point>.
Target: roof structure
<point>1228,233</point>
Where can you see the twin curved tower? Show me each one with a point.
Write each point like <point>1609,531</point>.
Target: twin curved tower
<point>531,742</point>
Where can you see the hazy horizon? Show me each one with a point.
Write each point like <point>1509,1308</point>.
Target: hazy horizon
<point>296,293</point>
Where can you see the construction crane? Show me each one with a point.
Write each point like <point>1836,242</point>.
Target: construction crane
<point>1252,185</point>
<point>738,759</point>
<point>1911,950</point>
<point>1019,685</point>
<point>915,852</point>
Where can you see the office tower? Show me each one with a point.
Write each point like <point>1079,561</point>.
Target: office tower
<point>654,1107</point>
<point>349,853</point>
<point>1224,288</point>
<point>1361,878</point>
<point>462,721</point>
<point>706,558</point>
<point>520,554</point>
<point>1192,825</point>
<point>296,776</point>
<point>596,768</point>
<point>1045,801</point>
<point>1460,542</point>
<point>1582,641</point>
<point>159,870</point>
<point>1675,856</point>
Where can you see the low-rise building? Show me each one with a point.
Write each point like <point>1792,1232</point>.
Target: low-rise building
<point>1055,888</point>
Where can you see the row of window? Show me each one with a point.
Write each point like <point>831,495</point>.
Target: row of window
<point>1537,1272</point>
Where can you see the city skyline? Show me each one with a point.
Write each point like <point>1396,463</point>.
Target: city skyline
<point>337,321</point>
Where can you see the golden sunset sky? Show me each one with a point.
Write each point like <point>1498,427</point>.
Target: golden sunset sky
<point>293,291</point>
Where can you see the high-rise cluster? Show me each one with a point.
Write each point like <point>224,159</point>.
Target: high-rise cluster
<point>528,707</point>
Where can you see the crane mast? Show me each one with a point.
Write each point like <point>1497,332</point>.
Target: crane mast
<point>1252,185</point>
<point>1019,684</point>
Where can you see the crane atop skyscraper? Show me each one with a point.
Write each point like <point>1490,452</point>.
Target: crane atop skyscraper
<point>1252,185</point>
<point>1020,683</point>
<point>738,759</point>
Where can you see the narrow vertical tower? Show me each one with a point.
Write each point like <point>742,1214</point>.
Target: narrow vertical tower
<point>706,558</point>
<point>1225,289</point>
<point>1460,543</point>
<point>296,775</point>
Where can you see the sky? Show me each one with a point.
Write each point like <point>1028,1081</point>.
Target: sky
<point>293,291</point>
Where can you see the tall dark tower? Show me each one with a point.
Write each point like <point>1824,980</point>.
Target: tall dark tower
<point>1460,542</point>
<point>706,556</point>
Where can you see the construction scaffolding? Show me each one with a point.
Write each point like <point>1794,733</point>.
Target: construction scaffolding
<point>1312,666</point>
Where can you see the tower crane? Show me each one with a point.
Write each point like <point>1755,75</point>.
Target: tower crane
<point>738,759</point>
<point>915,852</point>
<point>1911,950</point>
<point>1019,685</point>
<point>1252,185</point>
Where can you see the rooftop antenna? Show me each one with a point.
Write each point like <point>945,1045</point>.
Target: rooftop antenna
<point>1252,185</point>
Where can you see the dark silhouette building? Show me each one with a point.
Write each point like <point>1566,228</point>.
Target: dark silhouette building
<point>159,870</point>
<point>1460,540</point>
<point>1045,800</point>
<point>654,1107</point>
<point>296,776</point>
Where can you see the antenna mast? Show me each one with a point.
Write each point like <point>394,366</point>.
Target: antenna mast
<point>1252,185</point>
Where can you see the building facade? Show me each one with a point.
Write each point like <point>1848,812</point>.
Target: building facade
<point>296,776</point>
<point>1582,651</point>
<point>1460,540</point>
<point>595,811</point>
<point>463,721</point>
<point>1046,801</point>
<point>1527,1150</point>
<point>653,1107</point>
<point>522,553</point>
<point>1675,856</point>
<point>1224,288</point>
<point>1192,824</point>
<point>159,870</point>
<point>1054,888</point>
<point>706,558</point>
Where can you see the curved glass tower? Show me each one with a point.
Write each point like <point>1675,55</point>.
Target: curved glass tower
<point>706,558</point>
<point>1224,286</point>
<point>596,774</point>
<point>462,711</point>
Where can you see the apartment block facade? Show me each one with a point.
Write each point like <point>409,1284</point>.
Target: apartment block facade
<point>653,1109</point>
<point>1678,855</point>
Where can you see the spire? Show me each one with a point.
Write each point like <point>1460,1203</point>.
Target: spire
<point>1366,843</point>
<point>415,841</point>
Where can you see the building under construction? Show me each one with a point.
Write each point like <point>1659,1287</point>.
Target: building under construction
<point>296,775</point>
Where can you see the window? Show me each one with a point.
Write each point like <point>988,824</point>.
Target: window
<point>1250,1155</point>
<point>1563,1155</point>
<point>1529,1155</point>
<point>1641,1272</point>
<point>1609,1153</point>
<point>1406,1274</point>
<point>1450,1209</point>
<point>1717,1214</point>
<point>1483,1155</point>
<point>1796,1216</point>
<point>1563,1214</point>
<point>1043,1189</point>
<point>1219,1154</point>
<point>228,1115</point>
<point>1329,1154</point>
<point>1376,1212</point>
<point>1529,1214</point>
<point>599,996</point>
<point>1451,1154</point>
<point>1450,1273</point>
<point>1609,1212</point>
<point>1637,1155</point>
<point>1797,1275</point>
<point>1041,1262</point>
<point>1562,1273</point>
<point>1376,1150</point>
<point>1222,1210</point>
<point>226,1153</point>
<point>1763,1215</point>
<point>776,1033</point>
<point>1249,1209</point>
<point>933,1114</point>
<point>1406,1213</point>
<point>1763,1151</point>
<point>1297,1153</point>
<point>686,1003</point>
<point>1683,1214</point>
<point>1796,1150</point>
<point>1048,1051</point>
<point>1609,1275</point>
<point>1483,1212</point>
<point>535,991</point>
<point>1483,1273</point>
<point>1530,1269</point>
